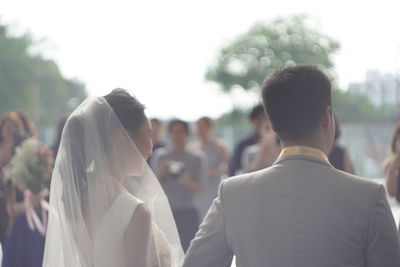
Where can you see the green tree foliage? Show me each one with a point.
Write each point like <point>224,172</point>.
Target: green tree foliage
<point>32,83</point>
<point>353,107</point>
<point>248,59</point>
<point>267,46</point>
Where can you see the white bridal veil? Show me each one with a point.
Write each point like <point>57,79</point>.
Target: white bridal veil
<point>96,163</point>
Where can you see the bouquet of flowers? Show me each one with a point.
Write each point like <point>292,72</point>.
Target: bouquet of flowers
<point>31,166</point>
<point>30,170</point>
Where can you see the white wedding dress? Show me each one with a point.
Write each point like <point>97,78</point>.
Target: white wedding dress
<point>109,251</point>
<point>99,180</point>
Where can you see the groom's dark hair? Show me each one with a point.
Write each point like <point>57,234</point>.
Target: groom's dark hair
<point>128,109</point>
<point>295,99</point>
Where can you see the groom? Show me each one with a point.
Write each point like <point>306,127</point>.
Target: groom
<point>301,211</point>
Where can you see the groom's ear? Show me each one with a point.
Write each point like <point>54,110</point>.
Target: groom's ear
<point>327,120</point>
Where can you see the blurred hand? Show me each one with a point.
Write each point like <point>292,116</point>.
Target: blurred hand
<point>36,200</point>
<point>185,179</point>
<point>164,168</point>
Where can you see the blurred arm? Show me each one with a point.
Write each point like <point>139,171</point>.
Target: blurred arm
<point>391,172</point>
<point>383,248</point>
<point>348,166</point>
<point>223,152</point>
<point>14,208</point>
<point>235,163</point>
<point>224,156</point>
<point>210,247</point>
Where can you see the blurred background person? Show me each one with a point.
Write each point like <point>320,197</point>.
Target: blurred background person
<point>156,136</point>
<point>181,173</point>
<point>29,128</point>
<point>392,166</point>
<point>257,118</point>
<point>23,246</point>
<point>11,130</point>
<point>264,153</point>
<point>338,156</point>
<point>60,127</point>
<point>217,159</point>
<point>26,129</point>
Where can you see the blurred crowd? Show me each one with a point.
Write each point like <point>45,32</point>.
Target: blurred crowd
<point>188,159</point>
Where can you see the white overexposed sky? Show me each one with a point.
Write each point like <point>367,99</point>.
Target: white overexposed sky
<point>160,49</point>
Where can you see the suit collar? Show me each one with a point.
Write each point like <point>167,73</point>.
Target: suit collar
<point>304,153</point>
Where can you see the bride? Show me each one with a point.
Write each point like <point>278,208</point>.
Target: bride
<point>107,208</point>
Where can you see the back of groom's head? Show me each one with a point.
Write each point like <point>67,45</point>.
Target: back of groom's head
<point>295,99</point>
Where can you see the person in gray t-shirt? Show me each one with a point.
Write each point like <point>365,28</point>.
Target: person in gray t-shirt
<point>217,159</point>
<point>181,173</point>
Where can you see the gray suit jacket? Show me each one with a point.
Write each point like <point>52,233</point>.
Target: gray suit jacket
<point>300,212</point>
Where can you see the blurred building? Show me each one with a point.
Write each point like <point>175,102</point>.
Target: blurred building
<point>380,88</point>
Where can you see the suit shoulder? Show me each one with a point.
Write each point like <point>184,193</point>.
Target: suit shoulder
<point>357,181</point>
<point>243,179</point>
<point>337,180</point>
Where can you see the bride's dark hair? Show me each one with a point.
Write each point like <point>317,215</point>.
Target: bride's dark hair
<point>128,109</point>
